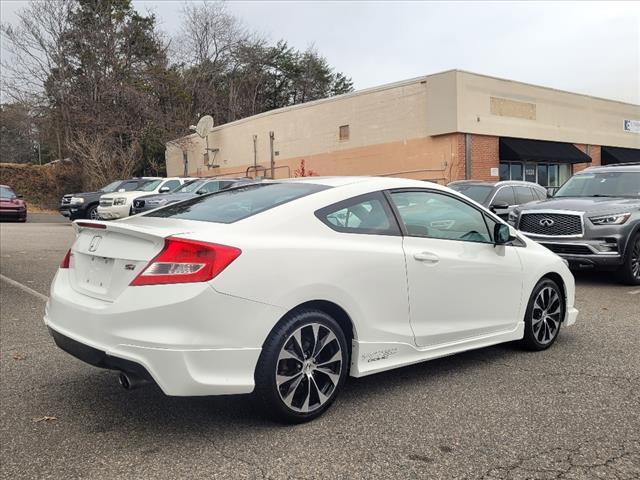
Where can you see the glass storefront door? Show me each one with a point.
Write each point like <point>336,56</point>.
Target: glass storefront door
<point>545,174</point>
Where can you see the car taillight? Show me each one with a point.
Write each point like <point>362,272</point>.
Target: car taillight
<point>66,260</point>
<point>186,261</point>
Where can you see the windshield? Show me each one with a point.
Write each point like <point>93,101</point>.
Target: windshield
<point>605,184</point>
<point>150,186</point>
<point>479,193</point>
<point>111,187</point>
<point>228,206</point>
<point>189,187</point>
<point>6,192</point>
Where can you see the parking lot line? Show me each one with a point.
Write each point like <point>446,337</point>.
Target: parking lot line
<point>634,292</point>
<point>24,288</point>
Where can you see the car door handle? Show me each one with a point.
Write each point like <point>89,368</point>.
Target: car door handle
<point>426,257</point>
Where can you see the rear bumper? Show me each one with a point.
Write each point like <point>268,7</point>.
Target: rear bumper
<point>571,317</point>
<point>190,339</point>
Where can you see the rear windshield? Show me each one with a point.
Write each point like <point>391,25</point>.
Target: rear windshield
<point>228,206</point>
<point>479,193</point>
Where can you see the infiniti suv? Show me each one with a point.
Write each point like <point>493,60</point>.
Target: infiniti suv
<point>592,221</point>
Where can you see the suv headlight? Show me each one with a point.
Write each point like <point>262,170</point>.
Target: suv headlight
<point>616,219</point>
<point>513,216</point>
<point>76,201</point>
<point>119,201</point>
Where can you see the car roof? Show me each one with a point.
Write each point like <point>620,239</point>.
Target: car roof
<point>498,183</point>
<point>626,167</point>
<point>377,182</point>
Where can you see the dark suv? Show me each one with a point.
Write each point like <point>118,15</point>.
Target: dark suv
<point>592,221</point>
<point>500,197</point>
<point>85,205</point>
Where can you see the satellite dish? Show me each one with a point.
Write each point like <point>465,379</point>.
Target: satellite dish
<point>205,124</point>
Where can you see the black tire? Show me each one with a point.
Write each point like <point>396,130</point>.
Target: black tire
<point>629,273</point>
<point>543,318</point>
<point>319,377</point>
<point>92,213</point>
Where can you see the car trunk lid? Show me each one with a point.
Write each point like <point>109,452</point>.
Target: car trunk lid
<point>106,257</point>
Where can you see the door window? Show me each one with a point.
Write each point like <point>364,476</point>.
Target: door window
<point>435,215</point>
<point>523,195</point>
<point>505,194</point>
<point>362,214</point>
<point>172,184</point>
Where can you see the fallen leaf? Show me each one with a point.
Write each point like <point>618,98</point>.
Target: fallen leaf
<point>46,418</point>
<point>19,356</point>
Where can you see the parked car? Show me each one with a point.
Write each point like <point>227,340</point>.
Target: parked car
<point>12,207</point>
<point>501,197</point>
<point>120,204</point>
<point>284,288</point>
<point>85,204</point>
<point>188,190</point>
<point>592,221</point>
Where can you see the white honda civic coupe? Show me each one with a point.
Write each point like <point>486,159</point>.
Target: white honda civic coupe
<point>285,288</point>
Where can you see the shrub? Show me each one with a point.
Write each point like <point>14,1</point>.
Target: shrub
<point>42,185</point>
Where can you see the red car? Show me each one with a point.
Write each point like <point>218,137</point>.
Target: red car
<point>12,207</point>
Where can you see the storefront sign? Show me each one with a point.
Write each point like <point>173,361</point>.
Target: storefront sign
<point>632,126</point>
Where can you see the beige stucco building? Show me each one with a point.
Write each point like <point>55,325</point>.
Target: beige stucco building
<point>441,127</point>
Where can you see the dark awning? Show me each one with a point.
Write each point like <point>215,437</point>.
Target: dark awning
<point>611,155</point>
<point>525,150</point>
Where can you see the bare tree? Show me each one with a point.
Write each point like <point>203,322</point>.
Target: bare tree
<point>102,159</point>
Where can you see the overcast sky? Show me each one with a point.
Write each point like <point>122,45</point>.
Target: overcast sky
<point>591,48</point>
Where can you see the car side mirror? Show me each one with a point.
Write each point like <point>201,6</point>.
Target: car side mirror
<point>164,190</point>
<point>18,196</point>
<point>120,190</point>
<point>501,234</point>
<point>498,206</point>
<point>202,191</point>
<point>550,192</point>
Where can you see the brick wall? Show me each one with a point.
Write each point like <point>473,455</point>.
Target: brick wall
<point>594,153</point>
<point>484,156</point>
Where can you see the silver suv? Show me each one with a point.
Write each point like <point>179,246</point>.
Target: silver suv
<point>593,220</point>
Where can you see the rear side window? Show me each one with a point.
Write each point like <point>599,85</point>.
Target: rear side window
<point>228,206</point>
<point>368,213</point>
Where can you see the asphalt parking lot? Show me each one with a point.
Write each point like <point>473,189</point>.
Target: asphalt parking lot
<point>499,413</point>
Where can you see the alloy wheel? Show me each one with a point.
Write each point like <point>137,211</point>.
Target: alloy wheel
<point>635,260</point>
<point>309,367</point>
<point>546,315</point>
<point>93,214</point>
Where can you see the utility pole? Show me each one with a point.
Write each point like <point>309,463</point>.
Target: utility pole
<point>273,162</point>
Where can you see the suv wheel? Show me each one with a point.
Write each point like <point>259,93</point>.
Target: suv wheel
<point>630,270</point>
<point>302,367</point>
<point>92,213</point>
<point>544,315</point>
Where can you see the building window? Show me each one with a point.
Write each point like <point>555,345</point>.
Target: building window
<point>545,174</point>
<point>343,132</point>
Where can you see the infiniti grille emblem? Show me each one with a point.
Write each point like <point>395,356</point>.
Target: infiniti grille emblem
<point>546,222</point>
<point>95,241</point>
